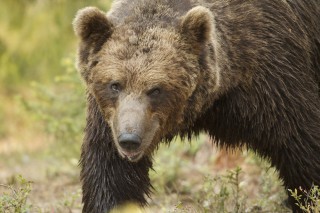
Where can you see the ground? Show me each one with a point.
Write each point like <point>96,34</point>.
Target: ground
<point>187,178</point>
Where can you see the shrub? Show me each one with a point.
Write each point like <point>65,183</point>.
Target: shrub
<point>15,199</point>
<point>311,202</point>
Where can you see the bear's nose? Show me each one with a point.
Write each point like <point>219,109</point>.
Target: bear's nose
<point>129,142</point>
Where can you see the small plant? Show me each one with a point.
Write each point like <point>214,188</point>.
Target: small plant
<point>70,201</point>
<point>223,193</point>
<point>15,199</point>
<point>308,201</point>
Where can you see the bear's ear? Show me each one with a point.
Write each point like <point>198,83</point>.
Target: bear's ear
<point>196,25</point>
<point>91,24</point>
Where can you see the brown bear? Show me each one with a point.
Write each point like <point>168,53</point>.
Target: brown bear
<point>244,72</point>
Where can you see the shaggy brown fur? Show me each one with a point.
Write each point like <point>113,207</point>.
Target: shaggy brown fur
<point>245,72</point>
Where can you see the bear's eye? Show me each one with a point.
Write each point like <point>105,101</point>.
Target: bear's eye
<point>115,87</point>
<point>154,92</point>
<point>93,64</point>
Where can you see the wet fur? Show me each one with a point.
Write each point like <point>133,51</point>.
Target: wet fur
<point>257,84</point>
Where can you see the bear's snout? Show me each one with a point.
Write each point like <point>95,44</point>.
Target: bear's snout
<point>134,127</point>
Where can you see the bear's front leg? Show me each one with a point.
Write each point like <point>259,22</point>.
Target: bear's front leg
<point>107,179</point>
<point>299,165</point>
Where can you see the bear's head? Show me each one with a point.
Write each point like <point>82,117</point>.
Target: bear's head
<point>143,77</point>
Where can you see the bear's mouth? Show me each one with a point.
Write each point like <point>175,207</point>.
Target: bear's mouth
<point>131,156</point>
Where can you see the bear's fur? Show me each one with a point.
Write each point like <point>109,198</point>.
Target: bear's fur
<point>245,72</point>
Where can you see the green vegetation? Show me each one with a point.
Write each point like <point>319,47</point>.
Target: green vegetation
<point>61,107</point>
<point>186,185</point>
<point>42,116</point>
<point>312,201</point>
<point>16,199</point>
<point>42,109</point>
<point>16,195</point>
<point>34,37</point>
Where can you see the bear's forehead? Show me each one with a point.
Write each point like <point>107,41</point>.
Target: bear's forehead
<point>140,41</point>
<point>136,70</point>
<point>139,52</point>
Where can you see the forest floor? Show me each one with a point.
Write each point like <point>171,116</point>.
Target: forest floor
<point>187,178</point>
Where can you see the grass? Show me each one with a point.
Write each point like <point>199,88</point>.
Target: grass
<point>182,183</point>
<point>16,195</point>
<point>223,193</point>
<point>193,182</point>
<point>15,200</point>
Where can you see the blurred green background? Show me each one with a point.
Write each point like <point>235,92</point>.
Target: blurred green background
<point>37,51</point>
<point>34,37</point>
